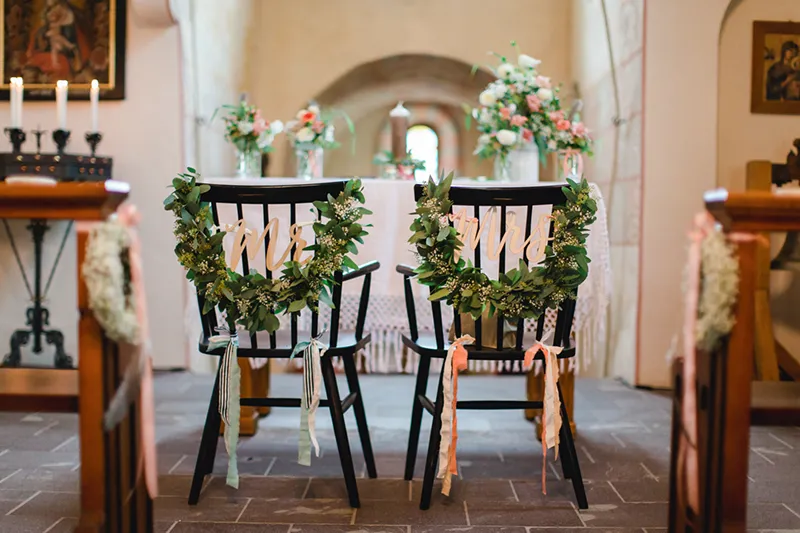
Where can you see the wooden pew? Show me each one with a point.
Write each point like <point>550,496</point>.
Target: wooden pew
<point>112,500</point>
<point>727,398</point>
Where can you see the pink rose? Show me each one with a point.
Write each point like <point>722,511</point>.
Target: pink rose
<point>563,125</point>
<point>543,81</point>
<point>308,117</point>
<point>318,126</point>
<point>518,120</point>
<point>260,125</point>
<point>527,135</point>
<point>406,172</point>
<point>505,112</point>
<point>534,104</point>
<point>579,129</point>
<point>555,116</point>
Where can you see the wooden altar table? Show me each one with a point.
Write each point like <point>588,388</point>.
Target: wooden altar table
<point>112,501</point>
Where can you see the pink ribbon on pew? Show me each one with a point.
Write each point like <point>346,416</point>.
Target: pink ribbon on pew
<point>129,217</point>
<point>551,403</point>
<point>456,360</point>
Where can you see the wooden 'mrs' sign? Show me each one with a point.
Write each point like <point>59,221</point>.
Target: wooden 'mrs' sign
<point>470,231</point>
<point>244,238</point>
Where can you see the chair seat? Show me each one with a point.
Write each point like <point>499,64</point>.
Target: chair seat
<point>426,345</point>
<point>346,343</point>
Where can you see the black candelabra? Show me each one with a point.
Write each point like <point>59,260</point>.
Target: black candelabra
<point>60,166</point>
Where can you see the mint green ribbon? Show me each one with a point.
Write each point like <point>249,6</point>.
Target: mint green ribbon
<point>312,351</point>
<point>230,380</point>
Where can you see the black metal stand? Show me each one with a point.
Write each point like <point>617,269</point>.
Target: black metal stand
<point>38,316</point>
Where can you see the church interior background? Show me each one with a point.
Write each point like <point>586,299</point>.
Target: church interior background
<point>665,88</point>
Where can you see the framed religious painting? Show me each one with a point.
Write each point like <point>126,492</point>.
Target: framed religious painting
<point>44,41</point>
<point>775,79</point>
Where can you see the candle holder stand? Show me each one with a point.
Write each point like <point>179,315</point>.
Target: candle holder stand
<point>17,138</point>
<point>61,139</point>
<point>62,167</point>
<point>93,138</point>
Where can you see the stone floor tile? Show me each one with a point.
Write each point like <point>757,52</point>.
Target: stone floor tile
<point>258,487</point>
<point>21,458</point>
<point>440,513</point>
<point>471,490</point>
<point>44,479</point>
<point>51,504</point>
<point>217,527</point>
<point>26,524</point>
<point>172,508</point>
<point>317,528</point>
<point>470,529</point>
<point>559,514</point>
<point>291,511</point>
<point>560,491</point>
<point>327,466</point>
<point>368,489</point>
<point>647,490</point>
<point>626,514</point>
<point>772,516</point>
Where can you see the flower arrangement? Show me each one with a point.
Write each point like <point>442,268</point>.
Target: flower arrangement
<point>403,168</point>
<point>247,130</point>
<point>523,107</point>
<point>312,127</point>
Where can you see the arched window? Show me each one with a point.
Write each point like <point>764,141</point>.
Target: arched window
<point>423,143</point>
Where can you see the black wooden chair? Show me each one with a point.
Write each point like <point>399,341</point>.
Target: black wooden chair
<point>429,346</point>
<point>279,345</point>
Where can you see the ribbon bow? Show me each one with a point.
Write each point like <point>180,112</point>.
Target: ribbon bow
<point>456,360</point>
<point>551,403</point>
<point>138,378</point>
<point>230,378</point>
<point>312,350</point>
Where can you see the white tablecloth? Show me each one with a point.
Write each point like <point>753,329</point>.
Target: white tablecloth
<point>392,204</point>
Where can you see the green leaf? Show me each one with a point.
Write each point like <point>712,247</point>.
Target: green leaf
<point>351,247</point>
<point>297,305</point>
<point>438,295</point>
<point>325,298</point>
<point>349,263</point>
<point>272,323</point>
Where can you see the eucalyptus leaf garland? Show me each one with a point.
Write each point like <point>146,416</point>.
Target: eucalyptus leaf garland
<point>251,300</point>
<point>521,293</point>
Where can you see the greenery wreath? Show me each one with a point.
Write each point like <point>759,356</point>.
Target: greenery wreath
<point>107,275</point>
<point>251,300</point>
<point>520,293</point>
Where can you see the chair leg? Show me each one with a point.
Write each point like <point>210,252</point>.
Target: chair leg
<point>340,431</point>
<point>416,415</point>
<point>563,452</point>
<point>433,447</point>
<point>572,456</point>
<point>208,445</point>
<point>360,413</point>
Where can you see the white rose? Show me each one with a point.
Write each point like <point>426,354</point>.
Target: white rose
<point>551,145</point>
<point>487,98</point>
<point>275,127</point>
<point>329,134</point>
<point>305,135</point>
<point>265,140</point>
<point>483,140</point>
<point>545,94</point>
<point>314,109</point>
<point>526,61</point>
<point>506,137</point>
<point>512,107</point>
<point>245,128</point>
<point>486,117</point>
<point>475,113</point>
<point>505,70</point>
<point>500,90</point>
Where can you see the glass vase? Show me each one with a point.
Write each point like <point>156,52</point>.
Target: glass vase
<point>309,161</point>
<point>248,164</point>
<point>521,165</point>
<point>570,165</point>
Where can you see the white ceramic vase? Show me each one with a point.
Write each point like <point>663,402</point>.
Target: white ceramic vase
<point>521,165</point>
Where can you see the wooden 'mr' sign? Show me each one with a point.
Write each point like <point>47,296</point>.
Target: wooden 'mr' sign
<point>470,230</point>
<point>244,238</point>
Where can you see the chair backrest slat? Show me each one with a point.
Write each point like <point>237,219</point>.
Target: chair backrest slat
<point>501,199</point>
<point>266,196</point>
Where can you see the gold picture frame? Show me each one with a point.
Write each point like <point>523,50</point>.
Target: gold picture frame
<point>775,78</point>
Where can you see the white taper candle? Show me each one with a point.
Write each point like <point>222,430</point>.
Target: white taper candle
<point>94,97</point>
<point>61,103</point>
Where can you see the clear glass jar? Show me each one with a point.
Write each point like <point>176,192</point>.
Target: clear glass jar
<point>248,163</point>
<point>309,160</point>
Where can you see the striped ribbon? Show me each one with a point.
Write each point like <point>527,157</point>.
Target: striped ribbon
<point>230,378</point>
<point>456,360</point>
<point>551,408</point>
<point>312,351</point>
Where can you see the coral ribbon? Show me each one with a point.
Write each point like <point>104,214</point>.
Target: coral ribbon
<point>139,373</point>
<point>456,360</point>
<point>551,403</point>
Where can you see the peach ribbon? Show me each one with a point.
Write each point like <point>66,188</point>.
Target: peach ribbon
<point>139,374</point>
<point>568,155</point>
<point>456,360</point>
<point>551,403</point>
